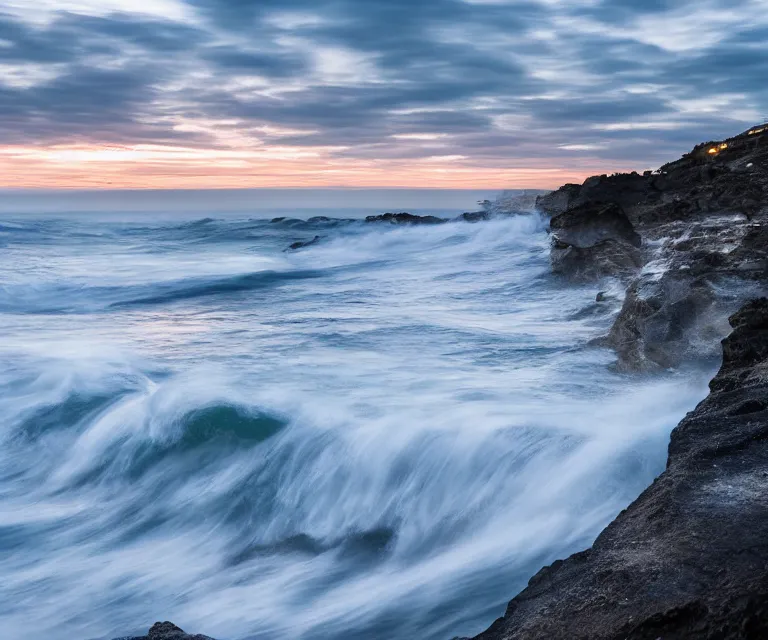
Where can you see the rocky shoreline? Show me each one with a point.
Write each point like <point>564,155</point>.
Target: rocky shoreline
<point>689,558</point>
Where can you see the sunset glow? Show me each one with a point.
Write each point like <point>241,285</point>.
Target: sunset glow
<point>158,167</point>
<point>439,93</point>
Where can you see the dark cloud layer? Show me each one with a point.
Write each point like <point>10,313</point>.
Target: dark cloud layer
<point>492,81</point>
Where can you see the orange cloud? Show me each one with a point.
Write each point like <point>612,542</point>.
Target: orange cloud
<point>147,166</point>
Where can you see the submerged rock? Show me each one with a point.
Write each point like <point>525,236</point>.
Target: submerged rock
<point>689,558</point>
<point>303,243</point>
<point>405,218</point>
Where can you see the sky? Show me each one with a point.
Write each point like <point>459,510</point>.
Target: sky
<point>481,94</point>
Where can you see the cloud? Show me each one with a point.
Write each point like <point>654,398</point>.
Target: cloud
<point>489,83</point>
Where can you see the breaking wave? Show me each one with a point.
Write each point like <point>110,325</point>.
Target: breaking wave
<point>383,435</point>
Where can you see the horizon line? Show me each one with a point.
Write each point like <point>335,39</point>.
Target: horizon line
<point>12,189</point>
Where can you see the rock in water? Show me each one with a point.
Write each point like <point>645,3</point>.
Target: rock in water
<point>405,218</point>
<point>302,244</point>
<point>689,558</point>
<point>167,631</point>
<point>475,216</point>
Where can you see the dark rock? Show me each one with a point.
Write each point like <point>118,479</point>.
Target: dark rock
<point>589,224</point>
<point>689,558</point>
<point>604,296</point>
<point>666,319</point>
<point>558,201</point>
<point>302,244</point>
<point>475,216</point>
<point>591,241</point>
<point>167,631</point>
<point>606,258</point>
<point>701,218</point>
<point>405,218</point>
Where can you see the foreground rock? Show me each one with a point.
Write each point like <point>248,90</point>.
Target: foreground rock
<point>167,631</point>
<point>689,240</point>
<point>689,558</point>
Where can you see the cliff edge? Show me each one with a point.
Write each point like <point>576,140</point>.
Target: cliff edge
<point>689,558</point>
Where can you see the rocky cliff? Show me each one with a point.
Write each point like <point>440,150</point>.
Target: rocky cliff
<point>689,558</point>
<point>690,240</point>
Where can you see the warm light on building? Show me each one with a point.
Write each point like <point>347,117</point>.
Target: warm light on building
<point>713,151</point>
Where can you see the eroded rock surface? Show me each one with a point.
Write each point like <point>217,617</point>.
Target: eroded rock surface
<point>689,558</point>
<point>690,240</point>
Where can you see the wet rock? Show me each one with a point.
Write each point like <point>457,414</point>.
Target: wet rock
<point>588,224</point>
<point>701,219</point>
<point>302,244</point>
<point>604,259</point>
<point>475,216</point>
<point>405,218</point>
<point>592,241</point>
<point>688,559</point>
<point>604,296</point>
<point>286,220</point>
<point>745,351</point>
<point>167,631</point>
<point>665,320</point>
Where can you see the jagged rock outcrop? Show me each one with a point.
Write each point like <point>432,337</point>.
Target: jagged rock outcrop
<point>594,240</point>
<point>689,558</point>
<point>167,631</point>
<point>688,239</point>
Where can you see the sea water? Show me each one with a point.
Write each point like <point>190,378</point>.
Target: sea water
<point>383,435</point>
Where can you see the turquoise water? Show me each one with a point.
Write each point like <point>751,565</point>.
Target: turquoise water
<point>383,435</point>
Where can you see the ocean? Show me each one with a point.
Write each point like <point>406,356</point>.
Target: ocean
<point>382,435</point>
